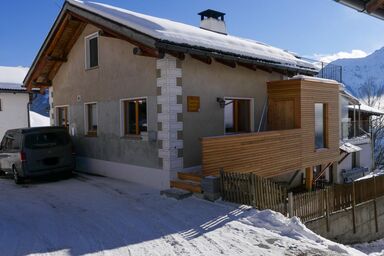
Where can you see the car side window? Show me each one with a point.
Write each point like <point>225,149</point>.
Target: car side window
<point>8,141</point>
<point>16,142</point>
<point>2,145</point>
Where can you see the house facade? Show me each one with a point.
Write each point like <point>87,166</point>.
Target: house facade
<point>152,101</point>
<point>14,100</point>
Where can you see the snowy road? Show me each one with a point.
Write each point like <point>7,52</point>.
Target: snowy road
<point>102,216</point>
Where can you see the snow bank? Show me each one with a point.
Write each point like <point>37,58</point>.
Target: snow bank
<point>38,120</point>
<point>179,33</point>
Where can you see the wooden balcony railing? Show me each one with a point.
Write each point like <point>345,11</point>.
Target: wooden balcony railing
<point>267,154</point>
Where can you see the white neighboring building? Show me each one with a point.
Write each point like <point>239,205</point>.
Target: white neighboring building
<point>13,107</point>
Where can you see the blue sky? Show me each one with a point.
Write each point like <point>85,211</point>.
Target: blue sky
<point>307,27</point>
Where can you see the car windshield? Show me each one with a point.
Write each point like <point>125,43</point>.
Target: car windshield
<point>46,140</point>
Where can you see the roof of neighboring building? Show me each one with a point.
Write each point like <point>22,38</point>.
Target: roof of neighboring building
<point>12,87</point>
<point>371,7</point>
<point>368,109</point>
<point>161,35</point>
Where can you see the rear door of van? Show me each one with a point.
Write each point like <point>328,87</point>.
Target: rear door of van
<point>47,149</point>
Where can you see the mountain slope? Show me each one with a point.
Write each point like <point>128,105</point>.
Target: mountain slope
<point>356,72</point>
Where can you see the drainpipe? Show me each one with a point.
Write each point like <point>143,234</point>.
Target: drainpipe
<point>359,116</point>
<point>354,121</point>
<point>372,145</point>
<point>30,96</point>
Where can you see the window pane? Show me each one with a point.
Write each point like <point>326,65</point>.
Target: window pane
<point>92,117</point>
<point>142,104</point>
<point>135,115</point>
<point>243,116</point>
<point>319,126</point>
<point>237,115</point>
<point>131,117</point>
<point>93,52</point>
<point>62,117</point>
<point>228,116</point>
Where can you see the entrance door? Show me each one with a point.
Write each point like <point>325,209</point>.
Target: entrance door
<point>237,115</point>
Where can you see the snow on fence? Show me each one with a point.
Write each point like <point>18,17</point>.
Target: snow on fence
<point>261,193</point>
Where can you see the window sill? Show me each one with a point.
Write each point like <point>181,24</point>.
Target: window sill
<point>321,150</point>
<point>92,68</point>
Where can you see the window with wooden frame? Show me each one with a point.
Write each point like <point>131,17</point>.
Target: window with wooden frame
<point>92,51</point>
<point>321,124</point>
<point>134,116</point>
<point>237,115</point>
<point>91,119</point>
<point>62,116</point>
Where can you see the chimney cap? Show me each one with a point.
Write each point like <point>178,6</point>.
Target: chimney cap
<point>209,13</point>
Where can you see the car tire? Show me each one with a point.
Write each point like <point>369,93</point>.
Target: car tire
<point>16,177</point>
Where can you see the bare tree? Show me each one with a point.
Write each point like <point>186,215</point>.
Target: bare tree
<point>372,94</point>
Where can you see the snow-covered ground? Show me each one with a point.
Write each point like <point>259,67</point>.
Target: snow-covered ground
<point>102,216</point>
<point>38,120</point>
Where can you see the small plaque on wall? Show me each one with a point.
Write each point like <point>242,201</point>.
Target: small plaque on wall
<point>193,103</point>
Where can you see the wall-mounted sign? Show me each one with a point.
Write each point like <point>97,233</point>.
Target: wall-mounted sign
<point>193,103</point>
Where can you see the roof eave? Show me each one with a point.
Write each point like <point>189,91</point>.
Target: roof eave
<point>359,5</point>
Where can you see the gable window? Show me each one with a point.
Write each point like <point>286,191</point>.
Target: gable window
<point>320,125</point>
<point>92,51</point>
<point>91,119</point>
<point>62,116</point>
<point>134,116</point>
<point>237,115</point>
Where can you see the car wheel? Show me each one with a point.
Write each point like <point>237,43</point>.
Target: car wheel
<point>16,176</point>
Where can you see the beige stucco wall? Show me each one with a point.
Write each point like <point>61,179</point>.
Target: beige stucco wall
<point>120,75</point>
<point>212,81</point>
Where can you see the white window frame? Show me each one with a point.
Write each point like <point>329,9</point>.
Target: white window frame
<point>122,128</point>
<point>252,111</point>
<point>86,50</point>
<point>57,114</point>
<point>86,124</point>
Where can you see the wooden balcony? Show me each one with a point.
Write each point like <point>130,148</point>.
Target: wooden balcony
<point>267,153</point>
<point>290,145</point>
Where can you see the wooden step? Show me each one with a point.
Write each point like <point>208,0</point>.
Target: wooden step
<point>186,185</point>
<point>192,176</point>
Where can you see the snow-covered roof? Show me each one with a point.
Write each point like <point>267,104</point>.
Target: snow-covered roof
<point>315,79</point>
<point>11,87</point>
<point>368,109</point>
<point>349,147</point>
<point>182,34</point>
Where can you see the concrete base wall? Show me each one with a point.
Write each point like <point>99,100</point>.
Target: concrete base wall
<point>341,225</point>
<point>155,178</point>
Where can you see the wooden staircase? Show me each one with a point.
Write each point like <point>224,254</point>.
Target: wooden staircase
<point>188,181</point>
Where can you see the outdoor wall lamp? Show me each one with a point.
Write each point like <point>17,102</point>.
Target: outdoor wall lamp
<point>221,102</point>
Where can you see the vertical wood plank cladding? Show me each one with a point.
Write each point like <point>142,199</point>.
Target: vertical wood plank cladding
<point>280,151</point>
<point>316,92</point>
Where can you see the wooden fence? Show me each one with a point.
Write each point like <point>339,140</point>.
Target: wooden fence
<point>250,189</point>
<point>262,194</point>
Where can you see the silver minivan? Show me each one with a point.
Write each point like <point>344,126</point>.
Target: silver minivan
<point>31,152</point>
